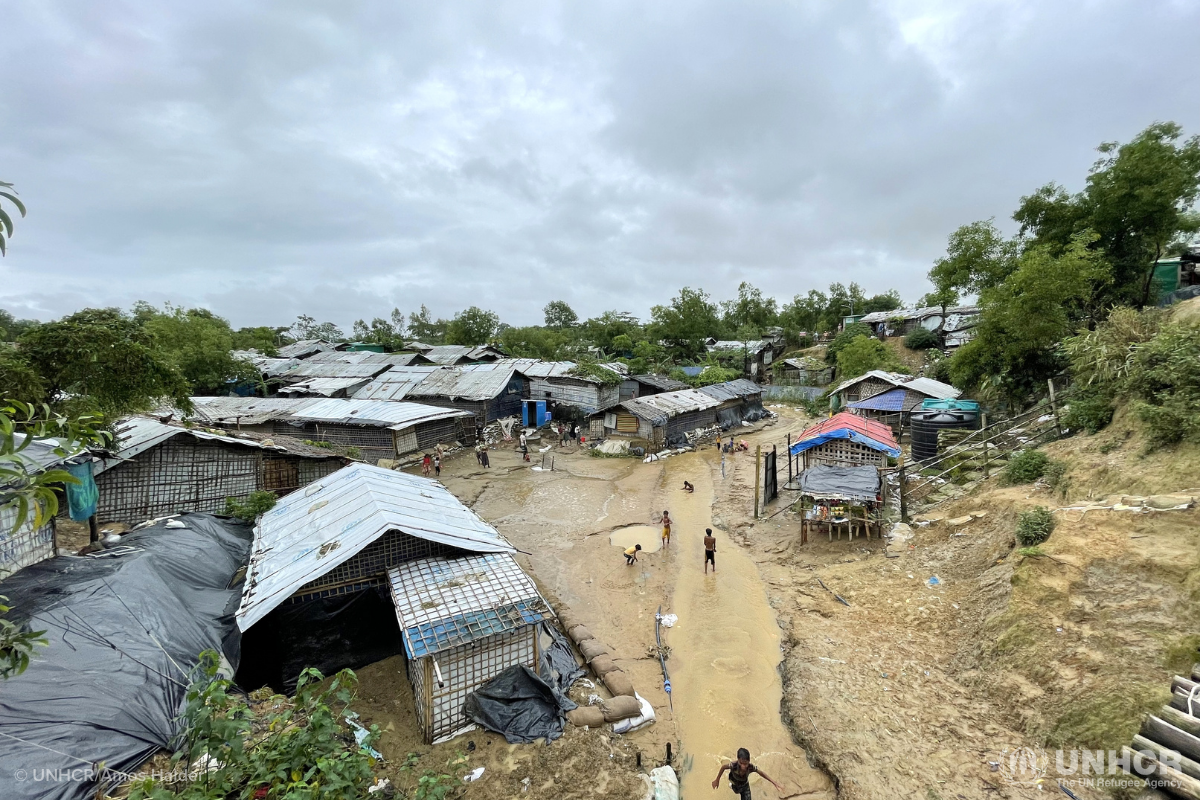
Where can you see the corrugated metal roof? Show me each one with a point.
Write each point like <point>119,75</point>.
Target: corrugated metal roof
<point>932,388</point>
<point>562,369</point>
<point>306,347</point>
<point>658,408</point>
<point>375,413</point>
<point>366,357</point>
<point>452,354</point>
<point>752,347</point>
<point>136,435</point>
<point>39,456</point>
<point>395,384</point>
<point>731,390</point>
<point>470,382</point>
<point>325,387</point>
<point>443,603</point>
<point>893,378</point>
<point>246,410</point>
<point>267,365</point>
<point>308,369</point>
<point>807,363</point>
<point>317,528</point>
<point>661,382</point>
<point>916,313</point>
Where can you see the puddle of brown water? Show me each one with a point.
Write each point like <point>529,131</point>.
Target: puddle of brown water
<point>648,536</point>
<point>725,653</point>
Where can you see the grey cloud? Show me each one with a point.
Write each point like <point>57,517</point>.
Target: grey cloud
<point>339,159</point>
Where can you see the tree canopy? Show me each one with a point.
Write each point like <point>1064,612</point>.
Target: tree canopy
<point>473,326</point>
<point>559,315</point>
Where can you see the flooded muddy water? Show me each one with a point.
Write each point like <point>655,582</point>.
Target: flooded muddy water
<point>648,536</point>
<point>724,658</point>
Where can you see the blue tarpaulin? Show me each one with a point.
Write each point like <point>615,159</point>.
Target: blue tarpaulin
<point>432,637</point>
<point>83,496</point>
<point>892,400</point>
<point>844,433</point>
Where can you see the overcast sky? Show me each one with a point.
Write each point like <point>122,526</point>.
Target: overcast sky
<point>341,158</point>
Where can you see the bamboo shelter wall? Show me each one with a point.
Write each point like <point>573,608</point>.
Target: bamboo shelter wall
<point>24,546</point>
<point>464,669</point>
<point>842,453</point>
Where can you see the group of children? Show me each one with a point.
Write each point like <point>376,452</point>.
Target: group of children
<point>710,541</point>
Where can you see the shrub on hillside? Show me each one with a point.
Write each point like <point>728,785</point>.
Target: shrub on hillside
<point>921,339</point>
<point>1026,467</point>
<point>863,355</point>
<point>1034,526</point>
<point>1166,382</point>
<point>843,339</point>
<point>1090,410</point>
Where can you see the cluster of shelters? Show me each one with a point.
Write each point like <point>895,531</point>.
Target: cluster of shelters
<point>803,371</point>
<point>955,324</point>
<point>889,397</point>
<point>838,465</point>
<point>366,563</point>
<point>672,418</point>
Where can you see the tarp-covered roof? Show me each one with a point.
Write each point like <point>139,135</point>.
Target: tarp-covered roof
<point>123,632</point>
<point>826,482</point>
<point>327,523</point>
<point>732,390</point>
<point>892,400</point>
<point>845,433</point>
<point>442,603</point>
<point>867,427</point>
<point>374,413</point>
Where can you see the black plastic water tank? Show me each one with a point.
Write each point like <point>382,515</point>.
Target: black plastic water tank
<point>925,426</point>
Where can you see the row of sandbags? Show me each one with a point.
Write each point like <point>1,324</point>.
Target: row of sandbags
<point>624,704</point>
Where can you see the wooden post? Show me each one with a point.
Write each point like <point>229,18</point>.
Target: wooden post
<point>428,715</point>
<point>757,475</point>
<point>1054,407</point>
<point>903,493</point>
<point>789,455</point>
<point>93,530</point>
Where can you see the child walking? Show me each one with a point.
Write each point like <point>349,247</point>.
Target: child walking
<point>666,523</point>
<point>739,775</point>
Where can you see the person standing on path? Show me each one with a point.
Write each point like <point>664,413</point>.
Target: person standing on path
<point>437,465</point>
<point>710,550</point>
<point>739,775</point>
<point>483,458</point>
<point>666,523</point>
<point>426,463</point>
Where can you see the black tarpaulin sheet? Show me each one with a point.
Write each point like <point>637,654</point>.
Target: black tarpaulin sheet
<point>558,667</point>
<point>519,705</point>
<point>124,631</point>
<point>840,483</point>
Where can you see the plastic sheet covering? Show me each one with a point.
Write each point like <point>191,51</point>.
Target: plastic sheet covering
<point>558,667</point>
<point>124,631</point>
<point>520,706</point>
<point>840,483</point>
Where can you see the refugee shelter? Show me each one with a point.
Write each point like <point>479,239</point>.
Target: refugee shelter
<point>646,385</point>
<point>308,347</point>
<point>246,414</point>
<point>378,429</point>
<point>866,385</point>
<point>29,543</point>
<point>803,371</point>
<point>755,357</point>
<point>322,589</point>
<point>368,357</point>
<point>124,629</point>
<point>894,406</point>
<point>841,498</point>
<point>489,391</point>
<point>328,379</point>
<point>673,418</point>
<point>902,321</point>
<point>740,400</point>
<point>463,620</point>
<point>560,383</point>
<point>845,440</point>
<point>159,469</point>
<point>455,355</point>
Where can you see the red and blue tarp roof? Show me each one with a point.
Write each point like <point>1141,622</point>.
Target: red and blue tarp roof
<point>845,425</point>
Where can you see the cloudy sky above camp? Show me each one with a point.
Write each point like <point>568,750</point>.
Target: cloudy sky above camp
<point>341,158</point>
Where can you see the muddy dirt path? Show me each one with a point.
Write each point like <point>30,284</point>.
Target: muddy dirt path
<point>725,654</point>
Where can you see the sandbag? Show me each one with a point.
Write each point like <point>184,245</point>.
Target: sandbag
<point>592,648</point>
<point>602,665</point>
<point>620,707</point>
<point>579,634</point>
<point>618,683</point>
<point>586,717</point>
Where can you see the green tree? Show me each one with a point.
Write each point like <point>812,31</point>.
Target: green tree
<point>844,338</point>
<point>19,380</point>
<point>11,327</point>
<point>306,327</point>
<point>473,326</point>
<point>1139,201</point>
<point>197,343</point>
<point>648,358</point>
<point>103,359</point>
<point>978,257</point>
<point>601,331</point>
<point>262,338</point>
<point>888,301</point>
<point>6,224</point>
<point>533,342</point>
<point>559,315</point>
<point>750,309</point>
<point>685,323</point>
<point>387,333</point>
<point>424,328</point>
<point>805,313</point>
<point>861,355</point>
<point>1024,319</point>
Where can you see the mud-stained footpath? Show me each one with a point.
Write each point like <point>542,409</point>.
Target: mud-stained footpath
<point>725,654</point>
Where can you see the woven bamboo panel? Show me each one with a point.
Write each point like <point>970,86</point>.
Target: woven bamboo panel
<point>843,453</point>
<point>25,546</point>
<point>373,562</point>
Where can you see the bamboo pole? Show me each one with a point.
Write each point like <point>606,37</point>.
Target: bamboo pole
<point>757,475</point>
<point>903,492</point>
<point>1054,407</point>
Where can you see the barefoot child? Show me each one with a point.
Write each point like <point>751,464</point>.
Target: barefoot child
<point>710,550</point>
<point>631,554</point>
<point>666,523</point>
<point>739,775</point>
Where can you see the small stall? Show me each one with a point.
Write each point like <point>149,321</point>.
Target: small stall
<point>841,498</point>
